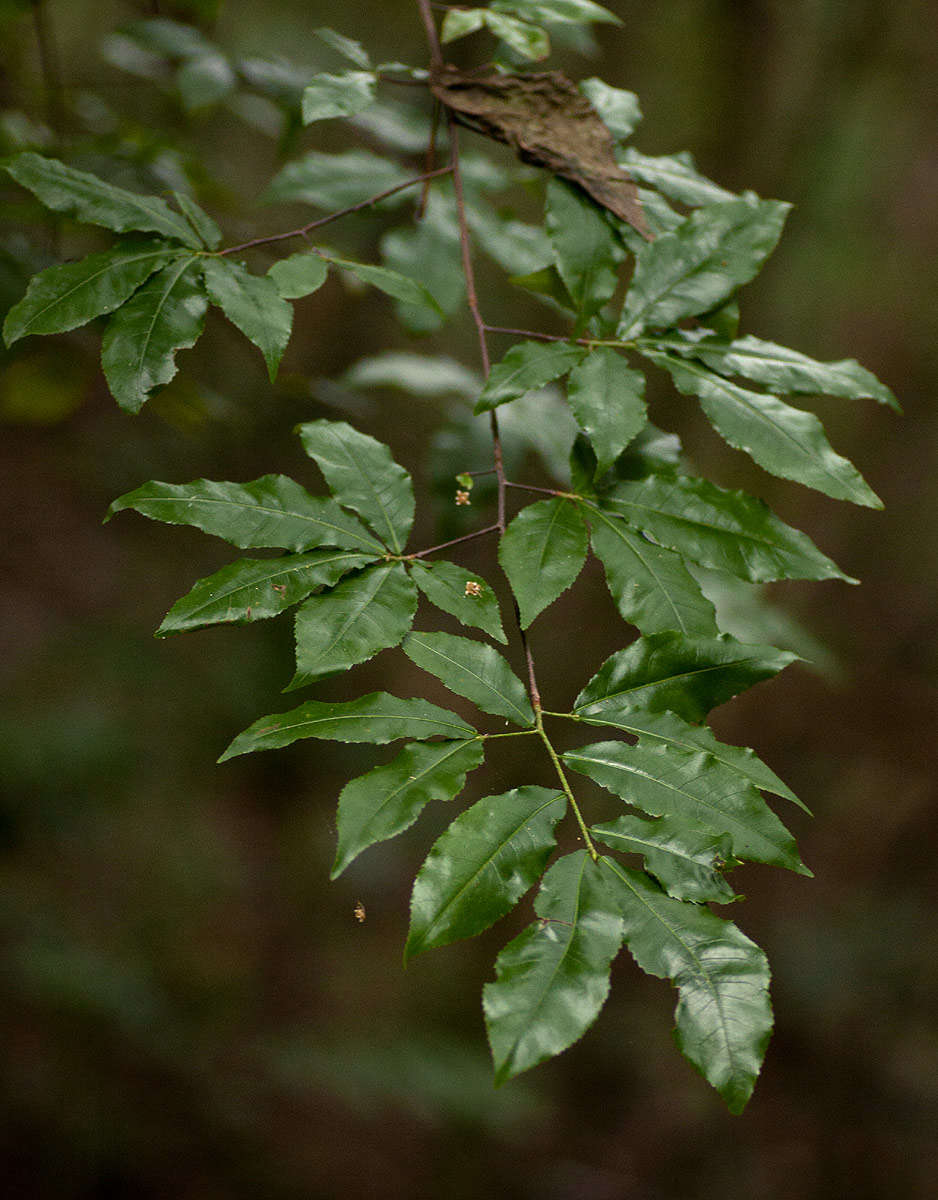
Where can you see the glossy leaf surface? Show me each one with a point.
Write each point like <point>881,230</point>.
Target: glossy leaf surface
<point>688,676</point>
<point>619,109</point>
<point>253,589</point>
<point>386,801</point>
<point>349,624</point>
<point>542,552</point>
<point>363,476</point>
<point>270,511</point>
<point>392,283</point>
<point>479,869</point>
<point>786,441</point>
<point>205,228</point>
<point>685,861</point>
<point>65,297</point>
<point>586,249</point>
<point>138,351</point>
<point>694,788</point>
<point>650,585</point>
<point>608,400</point>
<point>676,176</point>
<point>553,979</point>
<point>700,264</point>
<point>718,528</point>
<point>724,1015</point>
<point>575,11</point>
<point>474,670</point>
<point>445,584</point>
<point>253,304</point>
<point>526,367</point>
<point>375,718</point>
<point>89,199</point>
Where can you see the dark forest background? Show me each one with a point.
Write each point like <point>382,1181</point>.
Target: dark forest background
<point>189,1008</point>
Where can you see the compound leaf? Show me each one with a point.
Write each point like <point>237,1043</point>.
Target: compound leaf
<point>205,228</point>
<point>701,262</point>
<point>138,351</point>
<point>479,869</point>
<point>461,593</point>
<point>724,1015</point>
<point>349,624</point>
<point>271,511</point>
<point>526,367</point>
<point>253,304</point>
<point>86,198</point>
<point>253,589</point>
<point>687,676</point>
<point>474,670</point>
<point>607,399</point>
<point>362,475</point>
<point>64,297</point>
<point>386,801</point>
<point>687,862</point>
<point>542,552</point>
<point>650,585</point>
<point>553,979</point>
<point>376,718</point>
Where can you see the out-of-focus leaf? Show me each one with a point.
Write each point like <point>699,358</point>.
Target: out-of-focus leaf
<point>387,800</point>
<point>138,351</point>
<point>205,81</point>
<point>460,22</point>
<point>64,297</point>
<point>349,624</point>
<point>527,40</point>
<point>462,593</point>
<point>417,374</point>
<point>542,552</point>
<point>479,869</point>
<point>363,476</point>
<point>668,671</point>
<point>618,108</point>
<point>676,176</point>
<point>254,589</point>
<point>333,181</point>
<point>253,304</point>
<point>328,96</point>
<point>575,11</point>
<point>299,275</point>
<point>474,670</point>
<point>393,283</point>
<point>354,51</point>
<point>376,718</point>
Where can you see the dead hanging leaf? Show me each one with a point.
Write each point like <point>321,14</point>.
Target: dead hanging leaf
<point>549,123</point>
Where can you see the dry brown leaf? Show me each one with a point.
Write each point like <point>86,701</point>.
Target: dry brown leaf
<point>549,123</point>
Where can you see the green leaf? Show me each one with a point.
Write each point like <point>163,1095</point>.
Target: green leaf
<point>204,81</point>
<point>686,861</point>
<point>586,249</point>
<point>676,176</point>
<point>254,589</point>
<point>577,12</point>
<point>650,585</point>
<point>445,585</point>
<point>387,800</point>
<point>479,869</point>
<point>253,304</point>
<point>64,297</point>
<point>786,441</point>
<point>86,198</point>
<point>526,367</point>
<point>701,263</point>
<point>343,95</point>
<point>474,670</point>
<point>138,350</point>
<point>375,718</point>
<point>548,286</point>
<point>460,22</point>
<point>607,399</point>
<point>362,475</point>
<point>392,283</point>
<point>354,51</point>
<point>299,275</point>
<point>270,511</point>
<point>619,109</point>
<point>367,612</point>
<point>334,181</point>
<point>542,552</point>
<point>668,671</point>
<point>553,979</point>
<point>722,529</point>
<point>418,374</point>
<point>666,728</point>
<point>784,371</point>
<point>429,250</point>
<point>205,228</point>
<point>724,1015</point>
<point>694,788</point>
<point>526,40</point>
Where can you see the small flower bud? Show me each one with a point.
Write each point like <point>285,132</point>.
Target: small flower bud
<point>462,498</point>
<point>473,588</point>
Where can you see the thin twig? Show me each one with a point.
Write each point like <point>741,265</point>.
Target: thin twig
<point>342,212</point>
<point>50,66</point>
<point>530,487</point>
<point>466,537</point>
<point>536,336</point>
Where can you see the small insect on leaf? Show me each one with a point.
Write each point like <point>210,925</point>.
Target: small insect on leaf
<point>359,912</point>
